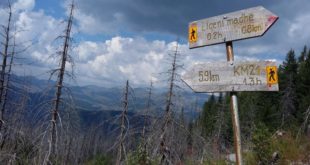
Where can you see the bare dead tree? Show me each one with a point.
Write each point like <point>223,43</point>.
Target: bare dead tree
<point>12,128</point>
<point>19,137</point>
<point>5,90</point>
<point>219,125</point>
<point>8,56</point>
<point>287,102</point>
<point>5,55</point>
<point>304,124</point>
<point>121,146</point>
<point>147,109</point>
<point>164,148</point>
<point>59,86</point>
<point>143,148</point>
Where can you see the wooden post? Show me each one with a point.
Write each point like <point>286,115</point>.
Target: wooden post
<point>224,31</point>
<point>234,109</point>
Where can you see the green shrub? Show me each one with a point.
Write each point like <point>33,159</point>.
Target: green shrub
<point>249,158</point>
<point>140,157</point>
<point>100,160</point>
<point>215,162</point>
<point>288,148</point>
<point>262,144</point>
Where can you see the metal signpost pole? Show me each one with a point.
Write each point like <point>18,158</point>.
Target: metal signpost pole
<point>234,109</point>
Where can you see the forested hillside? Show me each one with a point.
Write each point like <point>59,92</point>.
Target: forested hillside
<point>271,122</point>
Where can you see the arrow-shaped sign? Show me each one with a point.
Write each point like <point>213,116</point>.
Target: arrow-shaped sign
<point>248,23</point>
<point>224,77</point>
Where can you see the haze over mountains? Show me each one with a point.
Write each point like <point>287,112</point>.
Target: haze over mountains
<point>107,102</point>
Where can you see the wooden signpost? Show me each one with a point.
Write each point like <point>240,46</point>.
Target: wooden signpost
<point>230,76</point>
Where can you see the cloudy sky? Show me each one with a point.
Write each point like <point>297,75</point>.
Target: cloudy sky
<point>116,40</point>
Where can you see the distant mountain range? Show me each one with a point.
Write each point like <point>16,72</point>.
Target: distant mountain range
<point>90,100</point>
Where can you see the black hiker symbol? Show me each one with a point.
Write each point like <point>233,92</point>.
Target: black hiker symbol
<point>193,34</point>
<point>271,73</point>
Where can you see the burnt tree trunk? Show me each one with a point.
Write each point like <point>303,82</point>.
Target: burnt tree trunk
<point>59,84</point>
<point>121,147</point>
<point>4,63</point>
<point>164,149</point>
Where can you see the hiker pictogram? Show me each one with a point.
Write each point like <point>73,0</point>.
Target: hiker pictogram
<point>192,33</point>
<point>272,76</point>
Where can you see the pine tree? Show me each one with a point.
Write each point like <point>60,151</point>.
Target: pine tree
<point>248,108</point>
<point>288,86</point>
<point>208,116</point>
<point>303,55</point>
<point>303,82</point>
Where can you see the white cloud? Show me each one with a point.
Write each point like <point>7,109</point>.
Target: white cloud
<point>42,30</point>
<point>111,62</point>
<point>120,59</point>
<point>88,50</point>
<point>115,45</point>
<point>37,29</point>
<point>25,5</point>
<point>87,23</point>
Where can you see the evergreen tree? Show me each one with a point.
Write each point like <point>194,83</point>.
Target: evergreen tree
<point>248,105</point>
<point>303,55</point>
<point>288,85</point>
<point>303,82</point>
<point>208,116</point>
<point>262,144</point>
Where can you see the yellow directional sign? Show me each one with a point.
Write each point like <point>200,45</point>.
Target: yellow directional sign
<point>192,33</point>
<point>272,75</point>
